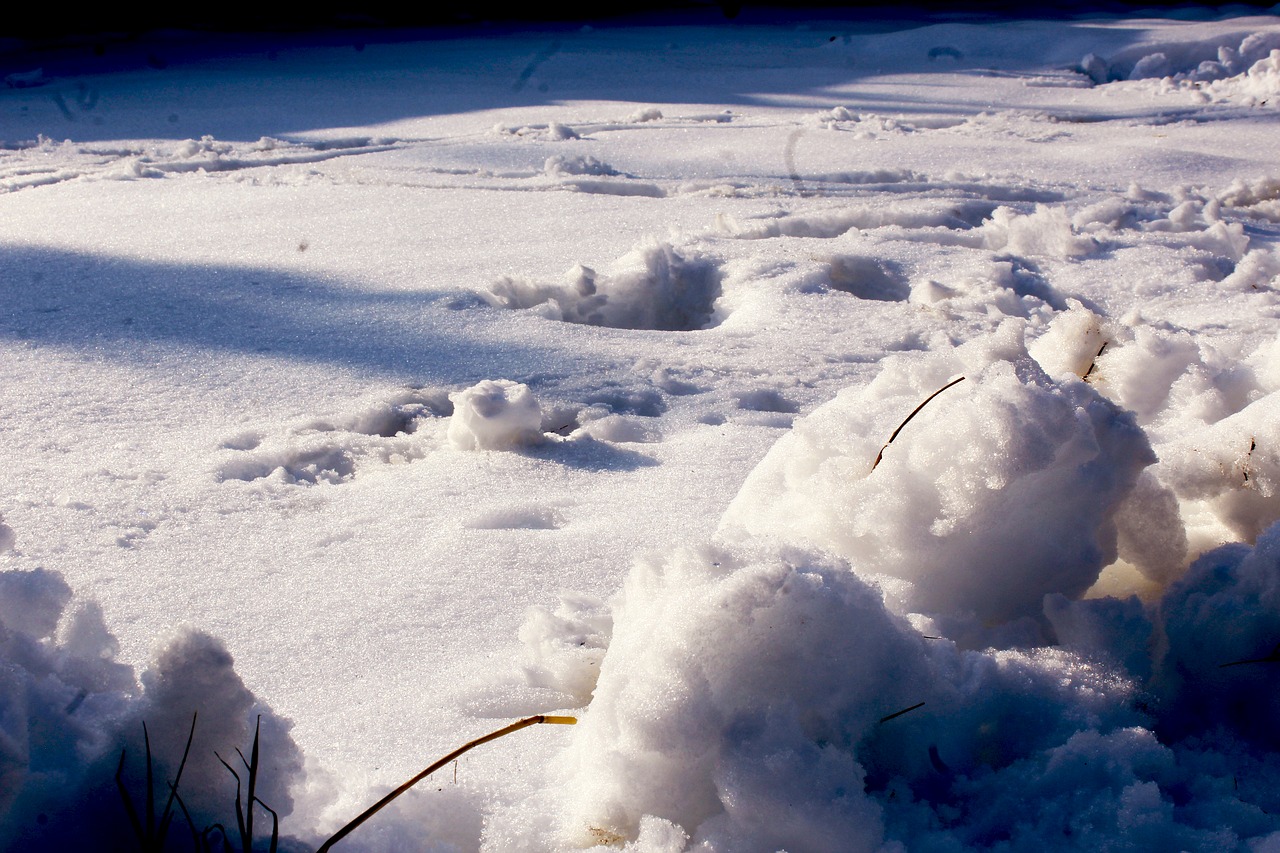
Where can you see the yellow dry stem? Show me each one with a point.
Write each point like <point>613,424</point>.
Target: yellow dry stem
<point>376,807</point>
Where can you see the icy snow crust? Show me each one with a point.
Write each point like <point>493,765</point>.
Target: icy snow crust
<point>307,428</point>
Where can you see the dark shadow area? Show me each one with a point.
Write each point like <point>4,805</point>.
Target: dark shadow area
<point>399,67</point>
<point>52,25</point>
<point>123,309</point>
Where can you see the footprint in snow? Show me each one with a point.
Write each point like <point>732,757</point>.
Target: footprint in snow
<point>330,450</point>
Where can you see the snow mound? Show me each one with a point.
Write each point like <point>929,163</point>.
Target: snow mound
<point>868,278</point>
<point>580,165</point>
<point>496,414</point>
<point>1213,416</point>
<point>732,677</point>
<point>718,669</point>
<point>1234,464</point>
<point>654,286</point>
<point>69,707</point>
<point>1000,491</point>
<point>645,114</point>
<point>1259,198</point>
<point>1071,343</point>
<point>1194,60</point>
<point>561,132</point>
<point>1221,624</point>
<point>1047,231</point>
<point>734,674</point>
<point>1247,72</point>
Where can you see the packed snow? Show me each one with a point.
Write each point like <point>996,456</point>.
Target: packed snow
<point>869,431</point>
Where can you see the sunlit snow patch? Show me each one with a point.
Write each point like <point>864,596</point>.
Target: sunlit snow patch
<point>1001,491</point>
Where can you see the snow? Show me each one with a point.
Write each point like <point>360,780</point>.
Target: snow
<point>495,415</point>
<point>371,399</point>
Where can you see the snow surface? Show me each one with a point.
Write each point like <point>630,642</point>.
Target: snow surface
<point>306,423</point>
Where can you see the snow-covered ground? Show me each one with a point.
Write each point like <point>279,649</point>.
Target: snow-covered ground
<point>398,390</point>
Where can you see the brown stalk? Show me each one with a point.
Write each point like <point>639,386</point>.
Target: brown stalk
<point>914,412</point>
<point>376,807</point>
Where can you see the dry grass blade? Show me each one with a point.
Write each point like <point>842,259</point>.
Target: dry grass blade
<point>177,780</point>
<point>134,821</point>
<point>151,837</point>
<point>275,826</point>
<point>914,412</point>
<point>1094,364</point>
<point>253,784</point>
<point>186,814</point>
<point>151,800</point>
<point>376,807</point>
<point>239,808</point>
<point>1273,657</point>
<point>897,714</point>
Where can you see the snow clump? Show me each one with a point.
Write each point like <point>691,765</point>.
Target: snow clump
<point>581,165</point>
<point>1002,490</point>
<point>1047,231</point>
<point>733,673</point>
<point>496,414</point>
<point>654,286</point>
<point>68,707</point>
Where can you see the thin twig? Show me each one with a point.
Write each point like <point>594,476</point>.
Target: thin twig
<point>275,825</point>
<point>151,800</point>
<point>1093,364</point>
<point>167,815</point>
<point>132,812</point>
<point>914,412</point>
<point>253,785</point>
<point>195,836</point>
<point>239,809</point>
<point>896,714</point>
<point>376,807</point>
<point>1274,657</point>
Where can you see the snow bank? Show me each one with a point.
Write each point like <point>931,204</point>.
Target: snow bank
<point>67,708</point>
<point>1260,197</point>
<point>1003,489</point>
<point>1214,70</point>
<point>733,675</point>
<point>719,668</point>
<point>654,286</point>
<point>1221,624</point>
<point>496,414</point>
<point>1201,60</point>
<point>1213,416</point>
<point>1234,464</point>
<point>852,677</point>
